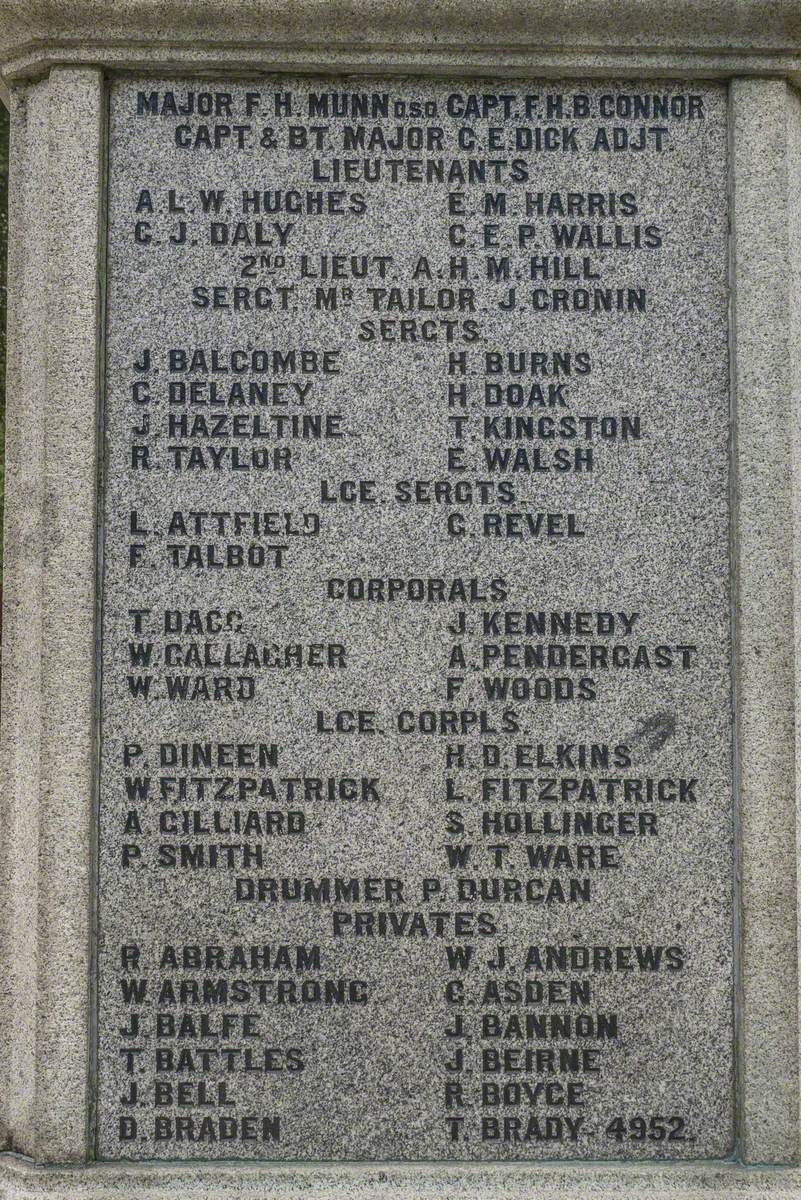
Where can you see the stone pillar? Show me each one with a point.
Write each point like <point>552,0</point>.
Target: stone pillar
<point>50,580</point>
<point>763,145</point>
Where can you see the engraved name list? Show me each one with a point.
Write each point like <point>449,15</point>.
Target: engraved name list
<point>415,826</point>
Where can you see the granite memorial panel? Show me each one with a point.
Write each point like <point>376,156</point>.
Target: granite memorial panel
<point>415,821</point>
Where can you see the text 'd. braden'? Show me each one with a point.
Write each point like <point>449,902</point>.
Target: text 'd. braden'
<point>415,824</point>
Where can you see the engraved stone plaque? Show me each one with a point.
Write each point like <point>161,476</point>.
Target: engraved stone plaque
<point>415,828</point>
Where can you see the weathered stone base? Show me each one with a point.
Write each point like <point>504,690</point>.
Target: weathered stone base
<point>20,1180</point>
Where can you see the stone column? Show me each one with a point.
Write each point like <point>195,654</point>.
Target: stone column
<point>50,578</point>
<point>764,124</point>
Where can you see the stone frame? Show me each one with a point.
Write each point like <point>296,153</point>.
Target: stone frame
<point>55,58</point>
